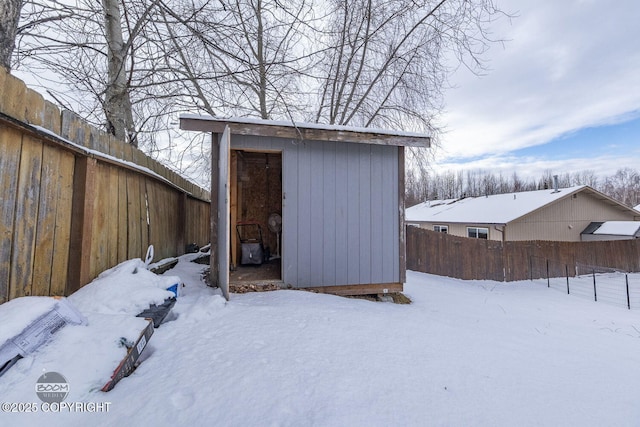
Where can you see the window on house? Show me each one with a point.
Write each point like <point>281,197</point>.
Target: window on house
<point>441,228</point>
<point>478,232</point>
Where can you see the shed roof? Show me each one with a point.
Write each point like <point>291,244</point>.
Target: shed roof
<point>304,131</point>
<point>496,209</point>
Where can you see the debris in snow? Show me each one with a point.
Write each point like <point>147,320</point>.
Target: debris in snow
<point>158,313</point>
<point>107,307</point>
<point>252,287</point>
<point>163,266</point>
<point>30,322</point>
<point>128,364</point>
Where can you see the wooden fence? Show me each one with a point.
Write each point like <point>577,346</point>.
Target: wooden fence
<point>75,201</point>
<point>477,259</point>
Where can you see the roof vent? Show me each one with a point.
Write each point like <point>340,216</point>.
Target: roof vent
<point>555,184</point>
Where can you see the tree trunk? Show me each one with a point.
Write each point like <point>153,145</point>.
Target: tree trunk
<point>9,16</point>
<point>117,103</point>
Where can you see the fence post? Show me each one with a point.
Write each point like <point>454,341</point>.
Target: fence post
<point>182,224</point>
<point>84,183</point>
<point>548,282</point>
<point>595,294</point>
<point>566,271</point>
<point>626,278</point>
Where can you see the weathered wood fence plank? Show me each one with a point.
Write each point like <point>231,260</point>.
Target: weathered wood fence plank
<point>10,148</point>
<point>46,221</point>
<point>68,213</point>
<point>59,271</point>
<point>26,216</point>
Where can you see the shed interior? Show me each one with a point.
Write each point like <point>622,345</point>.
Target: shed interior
<point>256,194</point>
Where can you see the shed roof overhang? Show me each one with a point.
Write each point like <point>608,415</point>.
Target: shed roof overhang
<point>303,131</point>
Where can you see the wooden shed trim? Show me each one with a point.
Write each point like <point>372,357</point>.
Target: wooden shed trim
<point>304,131</point>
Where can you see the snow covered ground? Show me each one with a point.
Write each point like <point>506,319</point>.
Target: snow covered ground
<point>464,353</point>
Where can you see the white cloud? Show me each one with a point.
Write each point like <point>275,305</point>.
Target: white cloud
<point>568,65</point>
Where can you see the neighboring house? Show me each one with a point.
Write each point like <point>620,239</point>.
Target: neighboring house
<point>612,230</point>
<point>339,191</point>
<point>558,215</point>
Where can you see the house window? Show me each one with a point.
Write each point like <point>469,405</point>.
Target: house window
<point>441,228</point>
<point>478,232</point>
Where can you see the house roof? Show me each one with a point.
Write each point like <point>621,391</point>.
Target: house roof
<point>496,209</point>
<point>617,228</point>
<point>304,131</point>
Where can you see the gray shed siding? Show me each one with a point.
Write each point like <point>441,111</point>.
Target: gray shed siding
<point>340,218</point>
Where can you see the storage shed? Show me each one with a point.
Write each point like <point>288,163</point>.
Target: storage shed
<point>328,200</point>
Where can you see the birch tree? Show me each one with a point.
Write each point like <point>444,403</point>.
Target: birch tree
<point>9,18</point>
<point>85,54</point>
<point>117,101</point>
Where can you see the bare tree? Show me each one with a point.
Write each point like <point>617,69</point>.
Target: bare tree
<point>262,52</point>
<point>117,102</point>
<point>9,17</point>
<point>623,186</point>
<point>85,54</point>
<point>132,66</point>
<point>385,62</point>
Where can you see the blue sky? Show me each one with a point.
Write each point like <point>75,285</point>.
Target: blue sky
<point>562,93</point>
<point>586,142</point>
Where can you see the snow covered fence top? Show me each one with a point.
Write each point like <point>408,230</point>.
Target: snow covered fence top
<point>27,108</point>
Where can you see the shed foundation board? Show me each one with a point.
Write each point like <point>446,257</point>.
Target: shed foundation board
<point>368,289</point>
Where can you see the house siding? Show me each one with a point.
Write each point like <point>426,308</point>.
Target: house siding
<point>460,229</point>
<point>340,220</point>
<point>565,219</point>
<point>562,220</point>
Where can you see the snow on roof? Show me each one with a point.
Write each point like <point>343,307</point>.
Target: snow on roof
<point>619,228</point>
<point>637,208</point>
<point>292,124</point>
<point>495,209</point>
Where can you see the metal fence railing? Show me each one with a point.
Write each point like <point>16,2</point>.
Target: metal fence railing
<point>597,283</point>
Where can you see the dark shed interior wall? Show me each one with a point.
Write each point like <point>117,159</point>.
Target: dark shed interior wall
<point>340,211</point>
<point>260,192</point>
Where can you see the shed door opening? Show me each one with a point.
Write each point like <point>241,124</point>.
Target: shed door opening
<point>256,217</point>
